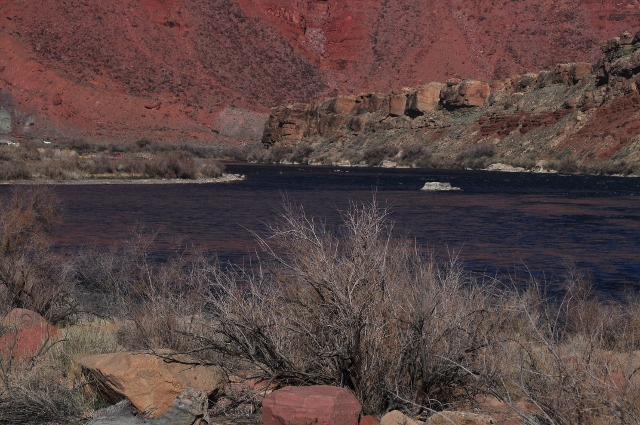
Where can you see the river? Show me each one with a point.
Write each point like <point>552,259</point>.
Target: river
<point>498,223</point>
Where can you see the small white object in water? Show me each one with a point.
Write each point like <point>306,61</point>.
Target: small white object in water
<point>438,186</point>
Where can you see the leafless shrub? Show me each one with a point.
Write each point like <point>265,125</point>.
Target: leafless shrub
<point>358,309</point>
<point>157,303</point>
<point>31,275</point>
<point>172,165</point>
<point>572,357</point>
<point>15,170</point>
<point>49,387</point>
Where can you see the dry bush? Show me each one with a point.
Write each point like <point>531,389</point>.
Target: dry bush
<point>32,275</point>
<point>156,302</point>
<point>572,356</point>
<point>356,308</point>
<point>49,388</point>
<point>209,168</point>
<point>15,170</point>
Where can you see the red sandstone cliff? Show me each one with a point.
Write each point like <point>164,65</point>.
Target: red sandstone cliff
<point>579,114</point>
<point>169,69</point>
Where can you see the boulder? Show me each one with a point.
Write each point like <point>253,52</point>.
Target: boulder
<point>474,93</point>
<point>358,124</point>
<point>28,333</point>
<point>460,418</point>
<point>188,407</point>
<point>21,318</point>
<point>368,420</point>
<point>343,105</point>
<point>397,105</point>
<point>426,98</point>
<point>572,73</point>
<point>378,103</point>
<point>318,405</point>
<point>396,417</point>
<point>151,382</point>
<point>438,186</point>
<point>465,94</point>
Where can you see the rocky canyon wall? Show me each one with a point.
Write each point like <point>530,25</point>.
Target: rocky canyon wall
<point>579,112</point>
<point>167,69</point>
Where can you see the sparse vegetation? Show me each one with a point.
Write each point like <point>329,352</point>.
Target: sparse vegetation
<point>77,159</point>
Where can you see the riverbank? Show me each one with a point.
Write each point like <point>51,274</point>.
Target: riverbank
<point>225,178</point>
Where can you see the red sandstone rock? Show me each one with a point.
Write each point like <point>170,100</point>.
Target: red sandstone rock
<point>460,418</point>
<point>149,381</point>
<point>572,73</point>
<point>474,93</point>
<point>31,334</point>
<point>427,97</point>
<point>22,318</point>
<point>26,343</point>
<point>396,417</point>
<point>397,105</point>
<point>319,405</point>
<point>465,93</point>
<point>343,105</point>
<point>368,420</point>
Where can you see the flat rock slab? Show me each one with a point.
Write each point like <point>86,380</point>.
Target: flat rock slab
<point>151,382</point>
<point>318,405</point>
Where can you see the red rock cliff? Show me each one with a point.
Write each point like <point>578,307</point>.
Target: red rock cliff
<point>168,68</point>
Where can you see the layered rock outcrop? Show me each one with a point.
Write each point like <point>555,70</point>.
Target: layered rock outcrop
<point>577,112</point>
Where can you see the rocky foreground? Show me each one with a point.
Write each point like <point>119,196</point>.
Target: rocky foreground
<point>579,114</point>
<point>166,388</point>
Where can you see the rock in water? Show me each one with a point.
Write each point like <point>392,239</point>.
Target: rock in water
<point>151,382</point>
<point>438,186</point>
<point>318,405</point>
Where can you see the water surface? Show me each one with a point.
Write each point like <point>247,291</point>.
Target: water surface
<point>499,221</point>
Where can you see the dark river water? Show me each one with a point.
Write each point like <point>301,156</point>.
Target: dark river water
<point>499,222</point>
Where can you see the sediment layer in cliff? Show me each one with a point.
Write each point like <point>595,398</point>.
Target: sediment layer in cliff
<point>578,113</point>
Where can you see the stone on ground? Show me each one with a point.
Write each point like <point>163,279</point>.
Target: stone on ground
<point>460,418</point>
<point>151,382</point>
<point>27,334</point>
<point>318,405</point>
<point>188,407</point>
<point>396,417</point>
<point>368,420</point>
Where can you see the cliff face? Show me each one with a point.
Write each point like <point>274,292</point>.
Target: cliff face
<point>578,112</point>
<point>178,70</point>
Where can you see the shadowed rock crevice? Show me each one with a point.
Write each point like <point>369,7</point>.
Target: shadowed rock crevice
<point>188,407</point>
